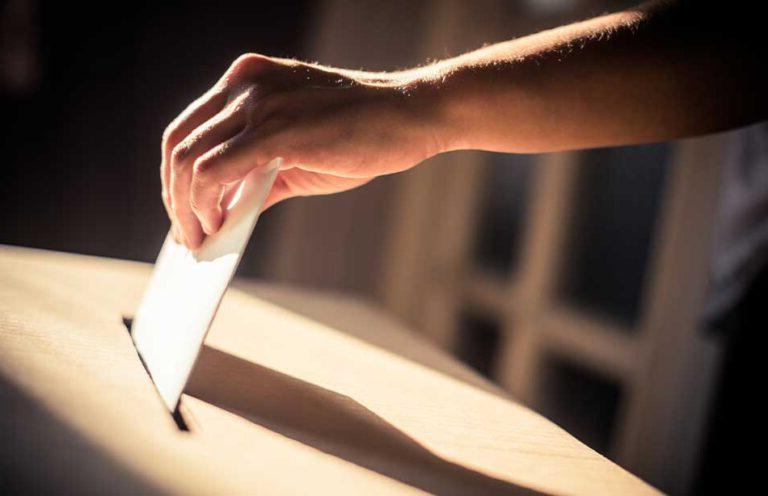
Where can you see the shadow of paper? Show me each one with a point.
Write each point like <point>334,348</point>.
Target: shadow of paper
<point>344,313</point>
<point>333,423</point>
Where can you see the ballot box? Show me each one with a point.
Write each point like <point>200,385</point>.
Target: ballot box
<point>295,392</point>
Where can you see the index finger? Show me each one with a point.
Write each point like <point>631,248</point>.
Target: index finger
<point>193,116</point>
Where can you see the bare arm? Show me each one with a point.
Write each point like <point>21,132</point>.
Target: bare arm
<point>660,71</point>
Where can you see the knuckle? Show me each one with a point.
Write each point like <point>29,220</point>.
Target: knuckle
<point>243,109</point>
<point>179,155</point>
<point>248,64</point>
<point>202,169</point>
<point>169,135</point>
<point>251,92</point>
<point>240,105</point>
<point>247,60</point>
<point>196,206</point>
<point>200,207</point>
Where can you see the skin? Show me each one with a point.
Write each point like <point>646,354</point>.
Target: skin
<point>660,71</point>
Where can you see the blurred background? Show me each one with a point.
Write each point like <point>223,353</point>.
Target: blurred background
<point>576,281</point>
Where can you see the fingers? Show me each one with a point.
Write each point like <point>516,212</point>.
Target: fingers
<point>223,165</point>
<point>193,116</point>
<point>183,164</point>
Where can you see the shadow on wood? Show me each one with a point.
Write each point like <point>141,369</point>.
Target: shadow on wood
<point>344,314</point>
<point>333,423</point>
<point>42,455</point>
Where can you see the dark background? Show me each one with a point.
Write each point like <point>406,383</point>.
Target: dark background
<point>81,149</point>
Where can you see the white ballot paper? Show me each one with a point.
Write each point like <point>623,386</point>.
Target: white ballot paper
<point>186,288</point>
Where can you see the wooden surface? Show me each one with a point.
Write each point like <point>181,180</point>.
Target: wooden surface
<point>295,392</point>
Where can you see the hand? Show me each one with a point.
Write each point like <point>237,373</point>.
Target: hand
<point>334,129</point>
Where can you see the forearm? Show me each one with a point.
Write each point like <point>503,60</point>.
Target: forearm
<point>643,75</point>
<point>648,74</point>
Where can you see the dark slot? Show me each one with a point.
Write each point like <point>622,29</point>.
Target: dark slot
<point>177,416</point>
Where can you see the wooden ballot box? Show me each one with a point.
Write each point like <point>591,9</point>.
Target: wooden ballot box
<point>295,392</point>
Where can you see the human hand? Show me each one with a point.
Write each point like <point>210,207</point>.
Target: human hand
<point>334,129</point>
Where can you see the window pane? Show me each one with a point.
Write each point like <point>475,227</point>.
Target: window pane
<point>502,213</point>
<point>581,401</point>
<point>617,202</point>
<point>478,342</point>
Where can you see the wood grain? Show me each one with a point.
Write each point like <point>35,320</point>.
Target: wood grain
<point>295,392</point>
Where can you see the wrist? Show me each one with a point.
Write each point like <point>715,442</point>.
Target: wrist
<point>422,100</point>
<point>413,104</point>
<point>440,92</point>
<point>427,100</point>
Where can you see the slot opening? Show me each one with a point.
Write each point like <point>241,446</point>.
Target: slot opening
<point>177,414</point>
